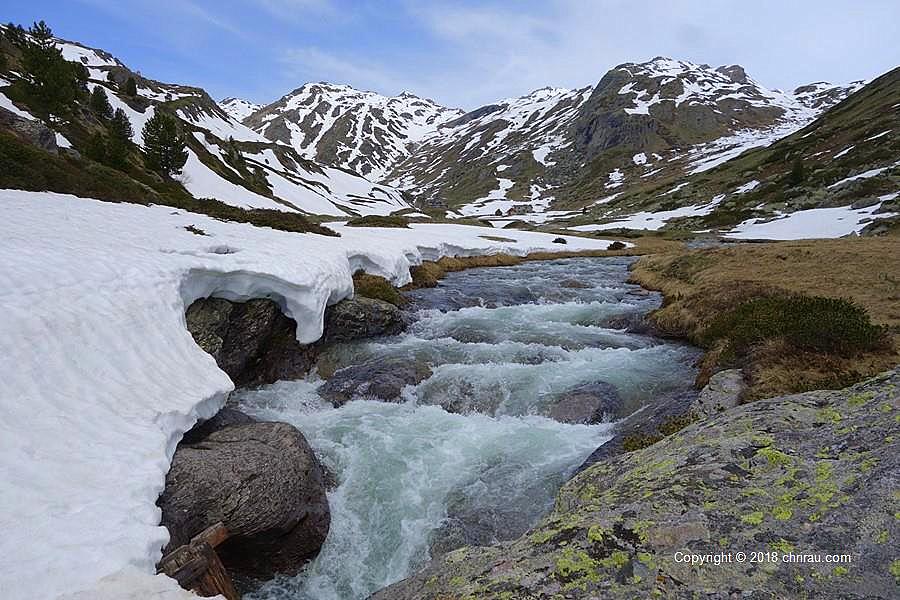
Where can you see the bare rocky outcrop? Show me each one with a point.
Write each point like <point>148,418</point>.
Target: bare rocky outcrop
<point>723,392</point>
<point>255,343</point>
<point>807,474</point>
<point>29,130</point>
<point>262,481</point>
<point>589,403</point>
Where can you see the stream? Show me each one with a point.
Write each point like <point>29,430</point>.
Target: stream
<point>467,455</point>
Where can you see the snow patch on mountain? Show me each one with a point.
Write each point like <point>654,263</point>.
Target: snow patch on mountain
<point>238,108</point>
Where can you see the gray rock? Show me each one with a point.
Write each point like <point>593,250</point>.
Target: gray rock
<point>806,474</point>
<point>32,132</point>
<point>264,483</point>
<point>723,391</point>
<point>588,403</point>
<point>253,342</point>
<point>359,317</point>
<point>381,379</point>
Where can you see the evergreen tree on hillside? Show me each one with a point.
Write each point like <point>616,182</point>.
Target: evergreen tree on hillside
<point>100,103</point>
<point>798,173</point>
<point>164,145</point>
<point>117,146</point>
<point>130,87</point>
<point>96,148</point>
<point>52,83</point>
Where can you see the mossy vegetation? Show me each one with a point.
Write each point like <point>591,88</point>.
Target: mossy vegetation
<point>376,287</point>
<point>827,325</point>
<point>379,221</point>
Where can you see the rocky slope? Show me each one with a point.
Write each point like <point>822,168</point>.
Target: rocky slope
<point>550,149</point>
<point>808,475</point>
<point>338,125</point>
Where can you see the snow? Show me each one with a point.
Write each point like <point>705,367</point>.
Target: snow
<point>615,179</point>
<point>238,108</point>
<point>223,128</point>
<point>8,105</point>
<point>203,182</point>
<point>86,56</point>
<point>676,188</point>
<point>844,151</point>
<point>877,135</point>
<point>809,224</point>
<point>639,159</point>
<point>865,175</point>
<point>747,187</point>
<point>101,377</point>
<point>650,220</point>
<point>62,142</point>
<point>137,119</point>
<point>606,199</point>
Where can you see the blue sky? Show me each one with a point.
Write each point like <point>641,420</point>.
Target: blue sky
<point>466,53</point>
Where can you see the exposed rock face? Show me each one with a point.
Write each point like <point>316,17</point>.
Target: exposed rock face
<point>32,132</point>
<point>262,481</point>
<point>812,473</point>
<point>589,403</point>
<point>723,391</point>
<point>255,343</point>
<point>651,422</point>
<point>382,379</point>
<point>359,317</point>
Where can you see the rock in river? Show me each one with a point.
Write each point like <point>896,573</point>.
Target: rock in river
<point>379,378</point>
<point>262,481</point>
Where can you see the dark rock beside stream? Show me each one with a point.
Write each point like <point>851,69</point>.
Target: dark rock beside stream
<point>262,481</point>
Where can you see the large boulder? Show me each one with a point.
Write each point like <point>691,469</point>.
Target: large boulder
<point>723,391</point>
<point>360,317</point>
<point>588,403</point>
<point>253,341</point>
<point>262,481</point>
<point>30,131</point>
<point>807,475</point>
<point>379,379</point>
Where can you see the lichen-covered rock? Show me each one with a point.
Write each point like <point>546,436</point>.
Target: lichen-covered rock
<point>379,378</point>
<point>723,392</point>
<point>263,482</point>
<point>28,130</point>
<point>812,474</point>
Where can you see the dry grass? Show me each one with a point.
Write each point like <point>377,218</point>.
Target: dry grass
<point>701,285</point>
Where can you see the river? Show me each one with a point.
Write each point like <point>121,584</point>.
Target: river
<point>467,455</point>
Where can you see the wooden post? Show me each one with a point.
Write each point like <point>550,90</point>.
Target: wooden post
<point>196,566</point>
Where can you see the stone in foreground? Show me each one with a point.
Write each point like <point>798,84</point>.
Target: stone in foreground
<point>809,474</point>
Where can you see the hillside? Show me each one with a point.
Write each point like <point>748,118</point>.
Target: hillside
<point>227,161</point>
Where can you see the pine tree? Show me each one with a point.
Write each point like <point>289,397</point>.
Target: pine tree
<point>117,146</point>
<point>96,148</point>
<point>164,145</point>
<point>53,84</point>
<point>120,126</point>
<point>798,173</point>
<point>130,87</point>
<point>100,103</point>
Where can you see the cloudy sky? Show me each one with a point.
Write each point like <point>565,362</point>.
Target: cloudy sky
<point>468,53</point>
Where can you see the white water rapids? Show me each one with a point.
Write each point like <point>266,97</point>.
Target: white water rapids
<point>502,343</point>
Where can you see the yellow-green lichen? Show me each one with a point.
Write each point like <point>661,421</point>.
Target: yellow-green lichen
<point>754,518</point>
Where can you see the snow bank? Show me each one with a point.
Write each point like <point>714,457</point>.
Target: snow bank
<point>810,224</point>
<point>101,377</point>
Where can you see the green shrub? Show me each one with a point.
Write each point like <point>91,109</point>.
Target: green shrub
<point>379,288</point>
<point>827,325</point>
<point>379,221</point>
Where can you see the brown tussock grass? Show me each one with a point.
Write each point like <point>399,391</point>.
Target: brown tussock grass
<point>700,285</point>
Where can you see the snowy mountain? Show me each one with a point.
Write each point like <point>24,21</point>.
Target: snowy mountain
<point>238,108</point>
<point>338,125</point>
<point>227,160</point>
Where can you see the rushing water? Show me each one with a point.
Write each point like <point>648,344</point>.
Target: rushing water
<point>469,442</point>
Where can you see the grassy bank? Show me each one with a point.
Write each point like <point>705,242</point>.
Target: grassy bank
<point>795,316</point>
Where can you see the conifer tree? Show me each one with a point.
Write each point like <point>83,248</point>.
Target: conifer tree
<point>164,145</point>
<point>100,103</point>
<point>120,133</point>
<point>130,87</point>
<point>96,148</point>
<point>53,84</point>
